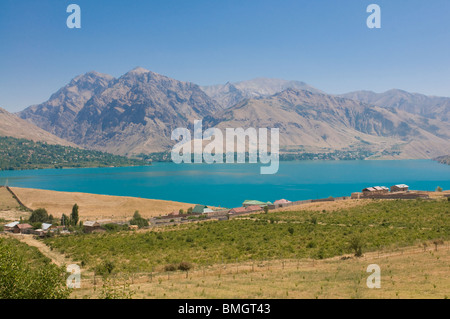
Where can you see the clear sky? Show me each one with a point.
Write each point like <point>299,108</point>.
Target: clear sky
<point>325,43</point>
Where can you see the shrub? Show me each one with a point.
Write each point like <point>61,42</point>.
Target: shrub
<point>39,215</point>
<point>25,278</point>
<point>184,266</point>
<point>106,268</point>
<point>138,220</point>
<point>439,189</point>
<point>170,267</point>
<point>291,230</point>
<point>356,244</point>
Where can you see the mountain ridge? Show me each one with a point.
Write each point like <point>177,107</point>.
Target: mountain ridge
<point>136,113</point>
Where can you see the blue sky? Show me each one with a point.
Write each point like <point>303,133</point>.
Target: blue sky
<point>325,43</point>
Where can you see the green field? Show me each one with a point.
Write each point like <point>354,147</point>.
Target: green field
<point>303,234</point>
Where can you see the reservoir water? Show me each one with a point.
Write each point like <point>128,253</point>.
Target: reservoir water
<point>228,185</point>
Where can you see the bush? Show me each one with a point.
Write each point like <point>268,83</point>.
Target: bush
<point>439,189</point>
<point>138,220</point>
<point>291,230</point>
<point>106,268</point>
<point>184,266</point>
<point>39,215</point>
<point>25,276</point>
<point>356,244</point>
<point>170,267</point>
<point>114,227</point>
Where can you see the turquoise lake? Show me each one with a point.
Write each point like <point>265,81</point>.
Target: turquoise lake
<point>228,185</point>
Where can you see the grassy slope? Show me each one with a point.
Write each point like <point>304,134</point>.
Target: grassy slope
<point>301,234</point>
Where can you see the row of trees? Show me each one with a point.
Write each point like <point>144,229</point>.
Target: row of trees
<point>41,215</point>
<point>73,219</point>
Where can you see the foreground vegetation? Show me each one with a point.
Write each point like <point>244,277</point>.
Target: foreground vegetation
<point>281,235</point>
<point>27,274</point>
<point>18,154</point>
<point>409,273</point>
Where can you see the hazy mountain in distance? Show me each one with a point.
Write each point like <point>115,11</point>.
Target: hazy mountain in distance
<point>133,114</point>
<point>428,106</point>
<point>13,126</point>
<point>317,122</point>
<point>230,94</point>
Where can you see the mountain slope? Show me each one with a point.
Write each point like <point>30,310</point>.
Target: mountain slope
<point>137,112</point>
<point>315,122</point>
<point>427,106</point>
<point>13,126</point>
<point>230,94</point>
<point>63,106</point>
<point>133,114</point>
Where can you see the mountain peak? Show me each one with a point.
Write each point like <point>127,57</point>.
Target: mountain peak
<point>139,70</point>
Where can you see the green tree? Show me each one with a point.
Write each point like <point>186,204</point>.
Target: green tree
<point>74,218</point>
<point>138,220</point>
<point>64,220</point>
<point>356,244</point>
<point>39,215</point>
<point>439,189</point>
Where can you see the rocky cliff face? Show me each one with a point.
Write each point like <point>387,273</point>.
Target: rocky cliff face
<point>317,122</point>
<point>133,114</point>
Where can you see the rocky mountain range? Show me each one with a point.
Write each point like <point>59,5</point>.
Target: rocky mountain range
<point>428,106</point>
<point>136,113</point>
<point>230,94</point>
<point>133,114</point>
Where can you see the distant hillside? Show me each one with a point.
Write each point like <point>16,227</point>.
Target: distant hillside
<point>443,159</point>
<point>230,94</point>
<point>17,154</point>
<point>136,113</point>
<point>12,125</point>
<point>428,106</point>
<point>315,122</point>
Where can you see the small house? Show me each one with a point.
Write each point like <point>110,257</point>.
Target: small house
<point>199,209</point>
<point>399,188</point>
<point>238,210</point>
<point>46,227</point>
<point>90,226</point>
<point>281,202</point>
<point>247,203</point>
<point>208,211</point>
<point>10,227</point>
<point>22,229</point>
<point>375,190</point>
<point>253,208</point>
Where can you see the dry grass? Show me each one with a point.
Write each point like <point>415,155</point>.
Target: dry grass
<point>7,201</point>
<point>411,273</point>
<point>95,207</point>
<point>328,206</point>
<point>9,207</point>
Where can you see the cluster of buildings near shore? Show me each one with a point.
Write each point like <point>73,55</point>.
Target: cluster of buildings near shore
<point>203,212</point>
